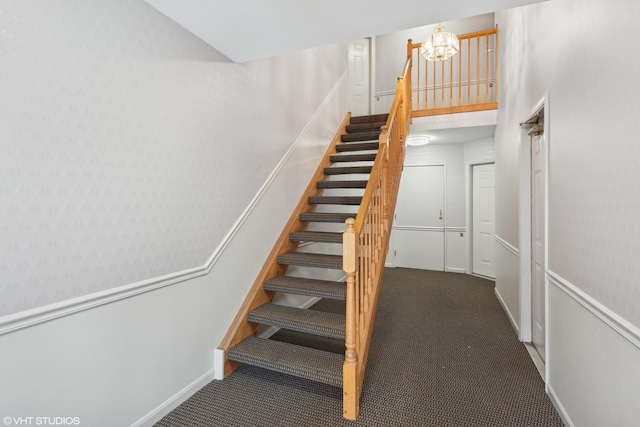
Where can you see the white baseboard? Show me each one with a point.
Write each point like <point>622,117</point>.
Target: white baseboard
<point>561,411</point>
<point>506,310</point>
<point>455,270</point>
<point>174,401</point>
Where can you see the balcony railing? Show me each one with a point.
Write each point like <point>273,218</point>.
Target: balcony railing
<point>465,82</point>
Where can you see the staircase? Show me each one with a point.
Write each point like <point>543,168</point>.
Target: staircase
<point>350,162</point>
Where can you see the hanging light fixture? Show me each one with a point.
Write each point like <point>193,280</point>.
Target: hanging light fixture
<point>440,46</point>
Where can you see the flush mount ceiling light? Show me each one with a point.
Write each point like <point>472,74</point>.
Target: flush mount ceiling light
<point>418,140</point>
<point>440,46</point>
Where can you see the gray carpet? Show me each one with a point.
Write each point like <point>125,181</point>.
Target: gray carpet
<point>443,354</point>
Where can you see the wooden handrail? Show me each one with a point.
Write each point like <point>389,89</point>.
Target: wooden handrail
<point>470,67</point>
<point>366,241</point>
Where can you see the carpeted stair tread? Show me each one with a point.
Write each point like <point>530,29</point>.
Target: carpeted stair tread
<point>367,157</point>
<point>335,200</point>
<point>314,322</point>
<point>342,184</point>
<point>315,236</point>
<point>360,136</point>
<point>303,362</point>
<point>308,287</point>
<point>342,170</point>
<point>311,260</point>
<point>337,217</point>
<point>357,146</point>
<point>369,119</point>
<point>365,127</point>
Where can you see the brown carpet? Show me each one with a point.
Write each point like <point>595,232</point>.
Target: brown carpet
<point>443,354</point>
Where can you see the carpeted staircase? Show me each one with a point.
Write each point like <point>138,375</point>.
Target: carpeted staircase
<point>353,159</point>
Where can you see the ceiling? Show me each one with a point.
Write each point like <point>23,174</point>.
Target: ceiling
<point>246,30</point>
<point>456,135</point>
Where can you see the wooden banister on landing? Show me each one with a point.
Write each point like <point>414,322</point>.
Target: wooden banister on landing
<point>468,81</point>
<point>366,241</point>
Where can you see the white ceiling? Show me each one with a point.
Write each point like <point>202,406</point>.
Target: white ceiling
<point>246,30</point>
<point>457,135</point>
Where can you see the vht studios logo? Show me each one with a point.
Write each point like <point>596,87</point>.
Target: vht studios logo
<point>42,421</point>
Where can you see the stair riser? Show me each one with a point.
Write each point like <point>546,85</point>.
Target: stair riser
<point>369,119</point>
<point>346,201</point>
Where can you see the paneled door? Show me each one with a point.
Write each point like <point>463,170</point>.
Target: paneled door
<point>483,244</point>
<point>537,243</point>
<point>359,77</point>
<point>419,219</point>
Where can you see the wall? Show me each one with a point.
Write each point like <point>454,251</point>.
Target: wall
<point>593,204</point>
<point>138,168</point>
<point>457,158</point>
<point>391,53</point>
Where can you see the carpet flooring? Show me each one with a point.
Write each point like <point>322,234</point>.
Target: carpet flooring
<point>443,353</point>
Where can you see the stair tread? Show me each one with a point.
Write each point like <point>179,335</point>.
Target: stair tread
<point>342,184</point>
<point>360,136</point>
<point>315,236</point>
<point>369,119</point>
<point>339,217</point>
<point>365,127</point>
<point>341,170</point>
<point>303,362</point>
<point>311,260</point>
<point>357,146</point>
<point>308,287</point>
<point>368,157</point>
<point>335,200</point>
<point>315,322</point>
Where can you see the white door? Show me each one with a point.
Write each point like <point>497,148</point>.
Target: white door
<point>484,189</point>
<point>537,243</point>
<point>419,219</point>
<point>359,77</point>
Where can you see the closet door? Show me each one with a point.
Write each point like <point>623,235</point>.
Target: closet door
<point>419,219</point>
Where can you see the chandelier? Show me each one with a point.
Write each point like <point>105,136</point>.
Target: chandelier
<point>440,46</point>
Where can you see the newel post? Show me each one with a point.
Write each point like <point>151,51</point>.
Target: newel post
<point>350,386</point>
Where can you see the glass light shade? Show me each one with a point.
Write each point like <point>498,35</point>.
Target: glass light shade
<point>440,46</point>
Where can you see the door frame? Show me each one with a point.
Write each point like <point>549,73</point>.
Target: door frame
<point>524,230</point>
<point>469,210</point>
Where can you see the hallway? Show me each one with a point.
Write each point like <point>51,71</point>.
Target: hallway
<point>443,354</point>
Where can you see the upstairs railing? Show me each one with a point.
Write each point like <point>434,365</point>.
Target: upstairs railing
<point>468,81</point>
<point>366,241</point>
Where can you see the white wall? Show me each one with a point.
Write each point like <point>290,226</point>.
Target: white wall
<point>593,203</point>
<point>138,172</point>
<point>126,143</point>
<point>391,53</point>
<point>457,158</point>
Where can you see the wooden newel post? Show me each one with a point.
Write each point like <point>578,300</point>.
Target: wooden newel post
<point>350,386</point>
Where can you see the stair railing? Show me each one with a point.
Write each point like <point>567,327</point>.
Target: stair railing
<point>465,82</point>
<point>366,241</point>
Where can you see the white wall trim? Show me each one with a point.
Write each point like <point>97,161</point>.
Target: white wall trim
<point>170,404</point>
<point>506,310</point>
<point>418,228</point>
<point>28,318</point>
<point>456,229</point>
<point>617,323</point>
<point>507,245</point>
<point>455,269</point>
<point>559,407</point>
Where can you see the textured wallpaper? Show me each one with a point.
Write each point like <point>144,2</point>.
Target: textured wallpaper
<point>594,179</point>
<point>128,147</point>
